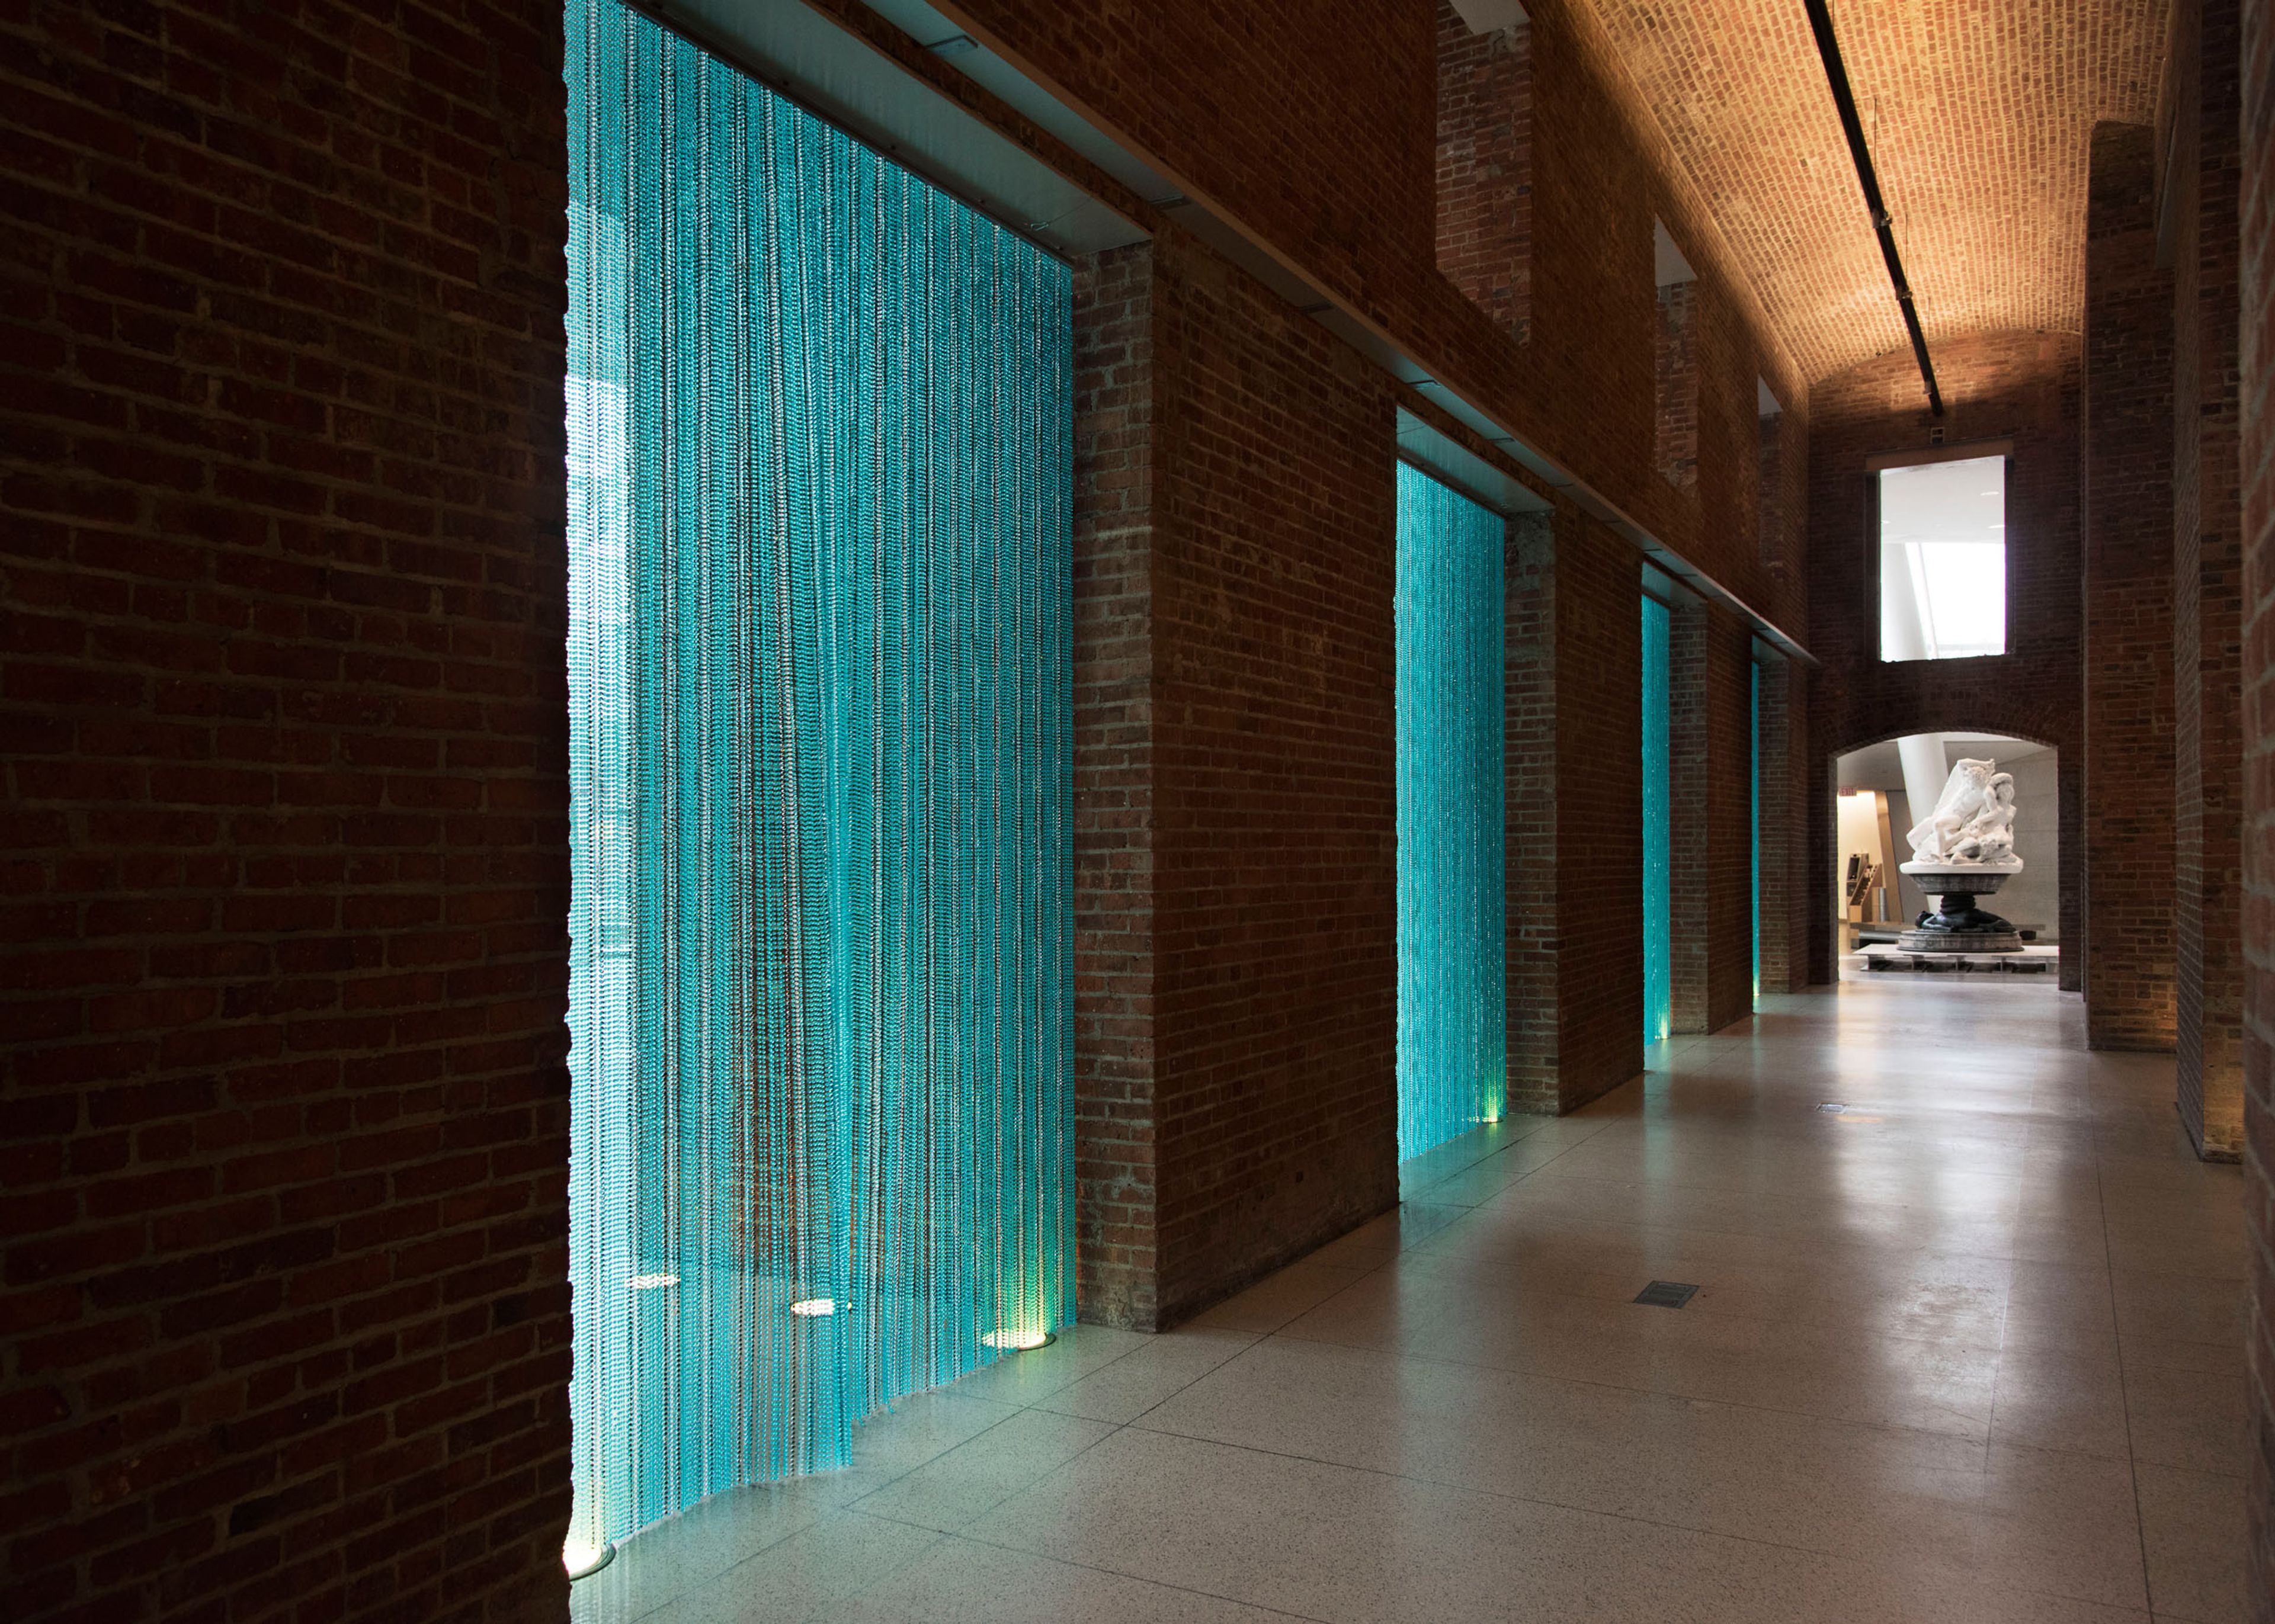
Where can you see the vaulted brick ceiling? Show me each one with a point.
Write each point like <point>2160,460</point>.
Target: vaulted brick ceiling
<point>1978,113</point>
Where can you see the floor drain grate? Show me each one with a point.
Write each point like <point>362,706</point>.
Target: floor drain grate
<point>1666,1294</point>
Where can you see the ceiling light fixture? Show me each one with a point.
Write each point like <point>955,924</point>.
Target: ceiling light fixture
<point>1836,75</point>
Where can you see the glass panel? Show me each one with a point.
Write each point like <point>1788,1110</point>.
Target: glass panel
<point>1943,560</point>
<point>818,754</point>
<point>1453,992</point>
<point>1754,814</point>
<point>1658,767</point>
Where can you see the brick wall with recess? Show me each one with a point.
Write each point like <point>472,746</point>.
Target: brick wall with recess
<point>1324,141</point>
<point>1236,885</point>
<point>1771,505</point>
<point>1574,731</point>
<point>1674,386</point>
<point>1789,790</point>
<point>285,1111</point>
<point>2202,92</point>
<point>1485,168</point>
<point>1710,878</point>
<point>2128,592</point>
<point>2020,386</point>
<point>2256,466</point>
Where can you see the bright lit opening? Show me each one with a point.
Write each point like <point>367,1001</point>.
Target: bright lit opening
<point>1943,560</point>
<point>814,1308</point>
<point>1017,1341</point>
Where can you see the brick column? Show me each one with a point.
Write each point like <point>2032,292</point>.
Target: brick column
<point>2128,615</point>
<point>2256,465</point>
<point>1115,1249</point>
<point>1712,845</point>
<point>1236,861</point>
<point>1574,751</point>
<point>1788,798</point>
<point>2207,629</point>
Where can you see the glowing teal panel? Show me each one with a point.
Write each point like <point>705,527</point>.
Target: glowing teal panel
<point>1453,990</point>
<point>1754,786</point>
<point>819,683</point>
<point>1657,898</point>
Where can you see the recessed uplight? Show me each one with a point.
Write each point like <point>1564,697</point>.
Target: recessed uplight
<point>1017,1341</point>
<point>814,1308</point>
<point>583,1560</point>
<point>651,1282</point>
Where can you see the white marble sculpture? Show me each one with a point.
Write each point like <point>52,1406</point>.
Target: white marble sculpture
<point>1972,825</point>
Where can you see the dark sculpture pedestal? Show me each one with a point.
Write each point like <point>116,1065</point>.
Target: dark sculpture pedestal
<point>1959,926</point>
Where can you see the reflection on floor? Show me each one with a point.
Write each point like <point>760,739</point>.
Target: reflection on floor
<point>1967,1349</point>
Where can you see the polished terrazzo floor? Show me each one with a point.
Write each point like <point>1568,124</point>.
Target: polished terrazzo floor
<point>1969,1350</point>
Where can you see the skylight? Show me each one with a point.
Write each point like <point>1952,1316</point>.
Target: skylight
<point>1943,560</point>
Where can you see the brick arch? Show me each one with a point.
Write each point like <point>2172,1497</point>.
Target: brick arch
<point>1973,723</point>
<point>1987,717</point>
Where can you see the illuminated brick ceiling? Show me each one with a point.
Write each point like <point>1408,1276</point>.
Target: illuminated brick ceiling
<point>1978,113</point>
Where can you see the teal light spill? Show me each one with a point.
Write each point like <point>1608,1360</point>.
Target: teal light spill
<point>818,677</point>
<point>1453,991</point>
<point>1657,898</point>
<point>1754,788</point>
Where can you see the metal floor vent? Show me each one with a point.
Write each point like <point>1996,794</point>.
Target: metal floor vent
<point>1666,1294</point>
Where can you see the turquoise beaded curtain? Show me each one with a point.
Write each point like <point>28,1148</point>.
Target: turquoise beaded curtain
<point>1658,767</point>
<point>1754,786</point>
<point>1452,905</point>
<point>818,685</point>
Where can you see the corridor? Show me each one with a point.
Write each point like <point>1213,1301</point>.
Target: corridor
<point>1968,1349</point>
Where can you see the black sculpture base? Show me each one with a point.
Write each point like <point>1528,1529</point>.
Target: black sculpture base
<point>1960,926</point>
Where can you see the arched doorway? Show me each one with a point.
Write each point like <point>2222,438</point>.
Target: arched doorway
<point>1881,792</point>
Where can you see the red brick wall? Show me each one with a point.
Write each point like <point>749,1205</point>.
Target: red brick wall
<point>2256,464</point>
<point>282,573</point>
<point>1236,775</point>
<point>2207,579</point>
<point>1711,877</point>
<point>1485,168</point>
<point>1323,139</point>
<point>1116,1253</point>
<point>2022,386</point>
<point>2127,587</point>
<point>1574,744</point>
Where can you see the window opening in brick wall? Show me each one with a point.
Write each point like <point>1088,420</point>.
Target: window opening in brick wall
<point>1658,831</point>
<point>1674,396</point>
<point>1769,478</point>
<point>820,692</point>
<point>1485,157</point>
<point>1943,559</point>
<point>1453,997</point>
